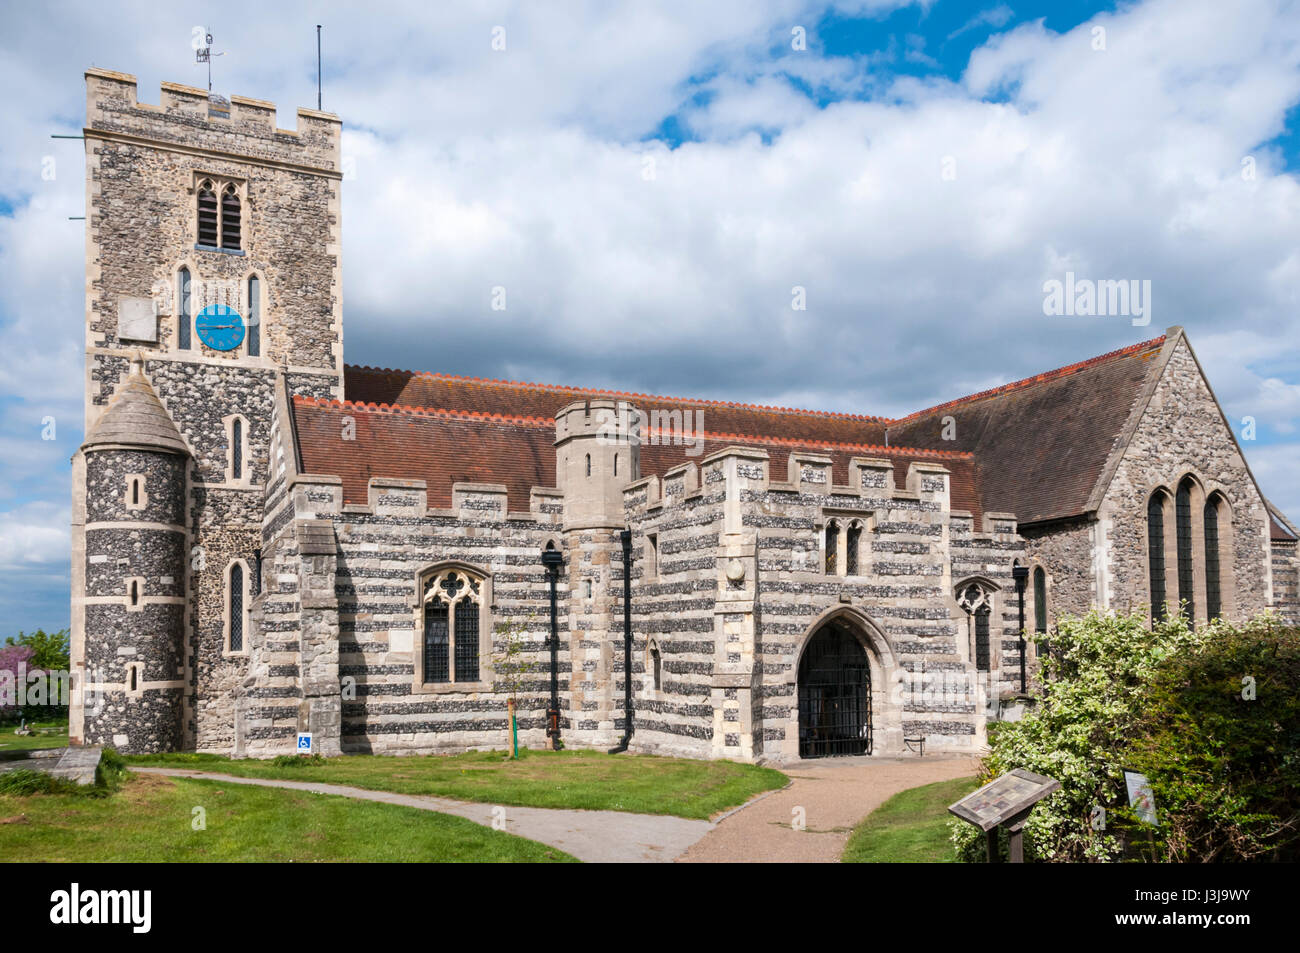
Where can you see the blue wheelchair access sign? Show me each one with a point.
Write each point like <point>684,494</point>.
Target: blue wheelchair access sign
<point>304,742</point>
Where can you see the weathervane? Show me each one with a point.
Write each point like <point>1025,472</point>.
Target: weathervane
<point>204,54</point>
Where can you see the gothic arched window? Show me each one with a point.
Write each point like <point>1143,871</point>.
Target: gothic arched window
<point>976,599</point>
<point>832,547</point>
<point>230,218</point>
<point>1213,574</point>
<point>1186,565</point>
<point>1156,554</point>
<point>452,601</point>
<point>852,543</point>
<point>236,607</point>
<point>1040,599</point>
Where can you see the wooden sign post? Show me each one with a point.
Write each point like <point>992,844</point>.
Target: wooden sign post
<point>1005,802</point>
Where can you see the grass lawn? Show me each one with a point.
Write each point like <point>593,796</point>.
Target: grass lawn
<point>910,828</point>
<point>149,819</point>
<point>591,780</point>
<point>12,742</point>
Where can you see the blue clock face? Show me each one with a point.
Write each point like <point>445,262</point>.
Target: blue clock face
<point>220,327</point>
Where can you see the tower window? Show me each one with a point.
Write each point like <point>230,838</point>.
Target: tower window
<point>588,464</point>
<point>207,214</point>
<point>135,593</point>
<point>651,555</point>
<point>254,321</point>
<point>656,667</point>
<point>1186,570</point>
<point>1156,554</point>
<point>183,316</point>
<point>230,218</point>
<point>237,449</point>
<point>235,608</point>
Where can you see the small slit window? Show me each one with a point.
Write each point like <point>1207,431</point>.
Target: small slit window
<point>184,319</point>
<point>237,449</point>
<point>254,320</point>
<point>235,607</point>
<point>135,593</point>
<point>1040,599</point>
<point>651,555</point>
<point>656,668</point>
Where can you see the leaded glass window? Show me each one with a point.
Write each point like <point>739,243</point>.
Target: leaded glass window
<point>453,605</point>
<point>236,607</point>
<point>832,547</point>
<point>1213,593</point>
<point>1156,555</point>
<point>852,540</point>
<point>1186,570</point>
<point>977,601</point>
<point>1040,599</point>
<point>982,652</point>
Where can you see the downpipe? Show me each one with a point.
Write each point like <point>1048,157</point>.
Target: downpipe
<point>625,537</point>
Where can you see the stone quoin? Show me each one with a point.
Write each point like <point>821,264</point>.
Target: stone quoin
<point>267,541</point>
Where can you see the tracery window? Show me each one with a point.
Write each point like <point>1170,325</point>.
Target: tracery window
<point>453,606</point>
<point>220,215</point>
<point>977,602</point>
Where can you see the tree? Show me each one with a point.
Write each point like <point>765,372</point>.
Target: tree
<point>49,649</point>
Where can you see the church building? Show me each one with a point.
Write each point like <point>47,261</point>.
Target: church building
<point>269,542</point>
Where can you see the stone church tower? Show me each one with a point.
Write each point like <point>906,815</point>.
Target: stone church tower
<point>212,285</point>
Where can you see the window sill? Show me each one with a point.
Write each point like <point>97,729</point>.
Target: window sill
<point>450,688</point>
<point>223,251</point>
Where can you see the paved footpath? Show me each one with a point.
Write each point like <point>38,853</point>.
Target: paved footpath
<point>833,793</point>
<point>592,836</point>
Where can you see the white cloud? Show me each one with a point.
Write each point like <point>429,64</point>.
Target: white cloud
<point>526,169</point>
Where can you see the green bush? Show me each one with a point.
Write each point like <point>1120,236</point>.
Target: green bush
<point>1096,680</point>
<point>23,782</point>
<point>1166,701</point>
<point>1219,738</point>
<point>296,760</point>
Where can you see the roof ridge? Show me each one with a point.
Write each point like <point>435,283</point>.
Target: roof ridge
<point>423,411</point>
<point>1035,378</point>
<point>843,415</point>
<point>550,422</point>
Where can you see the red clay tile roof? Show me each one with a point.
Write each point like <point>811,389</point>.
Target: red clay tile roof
<point>1041,442</point>
<point>443,447</point>
<point>373,385</point>
<point>440,448</point>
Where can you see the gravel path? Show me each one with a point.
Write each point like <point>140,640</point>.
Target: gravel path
<point>592,836</point>
<point>832,794</point>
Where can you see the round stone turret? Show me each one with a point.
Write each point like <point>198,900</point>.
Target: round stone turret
<point>132,591</point>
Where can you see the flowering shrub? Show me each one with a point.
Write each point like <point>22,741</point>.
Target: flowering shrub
<point>1169,702</point>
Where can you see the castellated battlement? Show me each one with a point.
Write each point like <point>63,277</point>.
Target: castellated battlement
<point>185,117</point>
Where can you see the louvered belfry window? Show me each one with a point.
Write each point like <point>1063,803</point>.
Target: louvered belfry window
<point>1186,571</point>
<point>453,603</point>
<point>1156,555</point>
<point>1213,593</point>
<point>207,214</point>
<point>236,608</point>
<point>230,218</point>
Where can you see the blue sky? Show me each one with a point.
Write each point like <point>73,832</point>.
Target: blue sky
<point>770,166</point>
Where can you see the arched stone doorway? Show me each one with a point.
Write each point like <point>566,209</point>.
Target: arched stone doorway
<point>835,698</point>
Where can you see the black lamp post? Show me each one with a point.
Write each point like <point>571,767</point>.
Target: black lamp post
<point>1021,574</point>
<point>553,559</point>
